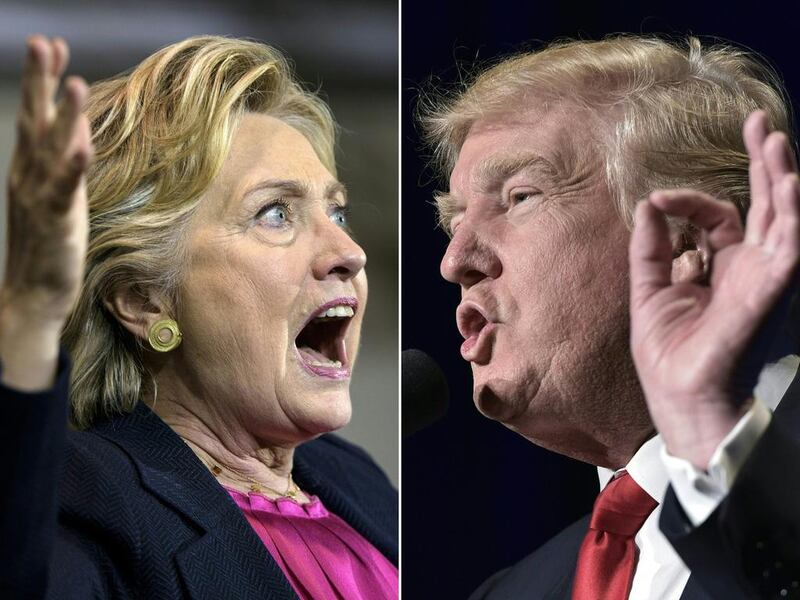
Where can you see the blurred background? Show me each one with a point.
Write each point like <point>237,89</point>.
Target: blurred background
<point>348,49</point>
<point>477,497</point>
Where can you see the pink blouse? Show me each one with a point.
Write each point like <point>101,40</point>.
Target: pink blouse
<point>321,555</point>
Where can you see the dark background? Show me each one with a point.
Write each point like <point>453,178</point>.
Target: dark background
<point>477,497</point>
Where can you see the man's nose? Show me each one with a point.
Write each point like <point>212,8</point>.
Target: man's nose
<point>469,258</point>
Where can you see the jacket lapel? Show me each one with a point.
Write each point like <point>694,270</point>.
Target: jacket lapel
<point>229,560</point>
<point>693,591</point>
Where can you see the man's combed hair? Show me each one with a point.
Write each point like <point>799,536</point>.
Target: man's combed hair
<point>671,113</point>
<point>161,134</point>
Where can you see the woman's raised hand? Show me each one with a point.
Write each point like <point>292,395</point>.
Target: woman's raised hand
<point>47,216</point>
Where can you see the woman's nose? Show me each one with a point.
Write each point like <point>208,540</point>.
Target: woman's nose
<point>340,256</point>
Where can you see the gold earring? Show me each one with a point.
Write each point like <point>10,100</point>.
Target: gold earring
<point>164,335</point>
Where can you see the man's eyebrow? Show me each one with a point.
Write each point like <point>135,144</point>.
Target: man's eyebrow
<point>446,208</point>
<point>496,169</point>
<point>490,174</point>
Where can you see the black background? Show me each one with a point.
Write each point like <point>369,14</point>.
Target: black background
<point>476,497</point>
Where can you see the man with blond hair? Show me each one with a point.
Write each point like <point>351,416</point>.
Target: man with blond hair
<point>616,310</point>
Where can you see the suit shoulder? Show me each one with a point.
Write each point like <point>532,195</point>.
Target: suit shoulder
<point>98,458</point>
<point>549,568</point>
<point>99,483</point>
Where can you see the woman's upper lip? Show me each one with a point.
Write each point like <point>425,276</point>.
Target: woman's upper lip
<point>350,301</point>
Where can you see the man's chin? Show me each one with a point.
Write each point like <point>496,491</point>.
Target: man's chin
<point>492,400</point>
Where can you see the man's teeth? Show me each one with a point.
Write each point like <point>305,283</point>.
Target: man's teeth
<point>327,363</point>
<point>337,311</point>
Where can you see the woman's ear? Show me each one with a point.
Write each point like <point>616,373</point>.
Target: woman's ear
<point>135,309</point>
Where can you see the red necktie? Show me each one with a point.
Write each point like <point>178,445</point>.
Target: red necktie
<point>607,558</point>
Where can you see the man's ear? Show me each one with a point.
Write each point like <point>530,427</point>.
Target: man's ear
<point>136,309</point>
<point>689,264</point>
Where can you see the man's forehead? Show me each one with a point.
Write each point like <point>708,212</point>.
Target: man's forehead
<point>560,132</point>
<point>495,151</point>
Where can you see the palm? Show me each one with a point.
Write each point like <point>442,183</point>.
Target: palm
<point>685,318</point>
<point>693,343</point>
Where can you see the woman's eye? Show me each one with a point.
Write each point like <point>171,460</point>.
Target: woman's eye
<point>274,215</point>
<point>339,217</point>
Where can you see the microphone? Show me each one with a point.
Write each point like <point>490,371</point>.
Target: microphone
<point>425,391</point>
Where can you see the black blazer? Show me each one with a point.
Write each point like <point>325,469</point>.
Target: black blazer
<point>748,548</point>
<point>137,515</point>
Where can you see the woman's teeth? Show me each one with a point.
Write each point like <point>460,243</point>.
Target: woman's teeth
<point>337,311</point>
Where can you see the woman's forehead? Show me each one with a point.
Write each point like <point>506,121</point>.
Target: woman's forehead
<point>266,153</point>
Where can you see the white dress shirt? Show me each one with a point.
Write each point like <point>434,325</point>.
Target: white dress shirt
<point>660,573</point>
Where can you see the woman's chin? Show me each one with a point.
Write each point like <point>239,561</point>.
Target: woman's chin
<point>328,412</point>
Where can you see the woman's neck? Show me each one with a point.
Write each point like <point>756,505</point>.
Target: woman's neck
<point>234,455</point>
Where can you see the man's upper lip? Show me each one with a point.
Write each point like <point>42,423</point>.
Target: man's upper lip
<point>350,301</point>
<point>471,317</point>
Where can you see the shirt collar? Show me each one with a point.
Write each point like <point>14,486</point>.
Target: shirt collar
<point>645,468</point>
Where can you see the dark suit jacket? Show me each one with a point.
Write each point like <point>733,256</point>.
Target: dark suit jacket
<point>748,548</point>
<point>137,515</point>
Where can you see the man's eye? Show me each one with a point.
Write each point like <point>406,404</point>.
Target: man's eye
<point>452,225</point>
<point>520,197</point>
<point>274,214</point>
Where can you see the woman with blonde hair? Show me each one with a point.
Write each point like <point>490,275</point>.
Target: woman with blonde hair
<point>180,234</point>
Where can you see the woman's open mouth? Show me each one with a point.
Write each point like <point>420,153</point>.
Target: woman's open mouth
<point>320,344</point>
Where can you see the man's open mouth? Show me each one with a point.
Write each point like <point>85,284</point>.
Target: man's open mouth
<point>320,344</point>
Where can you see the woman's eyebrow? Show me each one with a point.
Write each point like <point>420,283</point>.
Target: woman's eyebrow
<point>334,188</point>
<point>295,187</point>
<point>292,187</point>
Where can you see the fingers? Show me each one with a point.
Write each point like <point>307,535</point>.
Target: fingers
<point>780,164</point>
<point>40,105</point>
<point>41,100</point>
<point>719,219</point>
<point>771,161</point>
<point>43,125</point>
<point>60,57</point>
<point>69,110</point>
<point>54,141</point>
<point>778,157</point>
<point>45,63</point>
<point>760,214</point>
<point>783,237</point>
<point>68,171</point>
<point>755,131</point>
<point>650,253</point>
